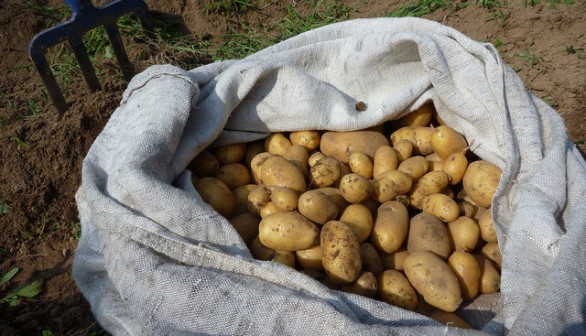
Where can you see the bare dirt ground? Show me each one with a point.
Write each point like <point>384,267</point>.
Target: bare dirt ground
<point>41,152</point>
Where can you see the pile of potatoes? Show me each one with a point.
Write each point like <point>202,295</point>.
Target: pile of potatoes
<point>398,212</point>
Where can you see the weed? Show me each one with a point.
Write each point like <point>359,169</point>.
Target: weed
<point>19,142</point>
<point>578,52</point>
<point>498,43</point>
<point>46,333</point>
<point>28,291</point>
<point>4,207</point>
<point>228,8</point>
<point>490,4</point>
<point>294,23</point>
<point>56,14</point>
<point>554,3</point>
<point>531,3</point>
<point>418,8</point>
<point>9,275</point>
<point>77,230</point>
<point>579,142</point>
<point>529,57</point>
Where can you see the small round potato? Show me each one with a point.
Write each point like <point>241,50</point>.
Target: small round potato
<point>490,279</point>
<point>217,194</point>
<point>390,227</point>
<point>445,141</point>
<point>204,164</point>
<point>431,183</point>
<point>404,150</point>
<point>278,172</point>
<point>258,198</point>
<point>233,174</point>
<point>269,209</point>
<point>325,172</point>
<point>391,184</point>
<point>365,285</point>
<point>371,261</point>
<point>246,224</point>
<point>415,167</point>
<point>314,158</point>
<point>256,165</point>
<point>317,206</point>
<point>464,234</point>
<point>359,218</point>
<point>361,164</point>
<point>455,166</point>
<point>428,233</point>
<point>230,153</point>
<point>385,159</point>
<point>395,289</point>
<point>341,144</point>
<point>467,270</point>
<point>434,280</point>
<point>288,231</point>
<point>261,252</point>
<point>355,188</point>
<point>308,139</point>
<point>441,206</point>
<point>310,258</point>
<point>487,231</point>
<point>480,182</point>
<point>341,252</point>
<point>284,198</point>
<point>277,144</point>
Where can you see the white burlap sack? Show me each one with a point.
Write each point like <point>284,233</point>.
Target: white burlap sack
<point>154,259</point>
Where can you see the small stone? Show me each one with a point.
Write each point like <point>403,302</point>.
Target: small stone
<point>360,106</point>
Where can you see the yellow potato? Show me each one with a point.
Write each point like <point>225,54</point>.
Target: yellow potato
<point>355,188</point>
<point>230,153</point>
<point>344,170</point>
<point>390,185</point>
<point>286,258</point>
<point>441,206</point>
<point>365,285</point>
<point>480,182</point>
<point>310,258</point>
<point>261,252</point>
<point>455,166</point>
<point>487,231</point>
<point>415,167</point>
<point>390,227</point>
<point>385,159</point>
<point>436,165</point>
<point>404,150</point>
<point>490,279</point>
<point>246,224</point>
<point>233,174</point>
<point>433,157</point>
<point>241,198</point>
<point>448,192</point>
<point>284,199</point>
<point>464,234</point>
<point>288,231</point>
<point>269,209</point>
<point>445,141</point>
<point>361,164</point>
<point>434,280</point>
<point>395,289</point>
<point>449,319</point>
<point>467,270</point>
<point>341,144</point>
<point>359,218</point>
<point>336,196</point>
<point>253,149</point>
<point>431,183</point>
<point>317,206</point>
<point>278,172</point>
<point>325,172</point>
<point>204,164</point>
<point>314,158</point>
<point>492,251</point>
<point>341,252</point>
<point>308,139</point>
<point>467,209</point>
<point>394,260</point>
<point>256,165</point>
<point>277,144</point>
<point>420,117</point>
<point>258,198</point>
<point>420,136</point>
<point>217,194</point>
<point>298,156</point>
<point>371,261</point>
<point>428,233</point>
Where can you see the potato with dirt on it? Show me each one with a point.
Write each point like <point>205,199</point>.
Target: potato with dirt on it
<point>385,159</point>
<point>492,251</point>
<point>341,145</point>
<point>204,164</point>
<point>256,165</point>
<point>278,172</point>
<point>359,218</point>
<point>371,261</point>
<point>490,279</point>
<point>355,188</point>
<point>310,258</point>
<point>277,144</point>
<point>246,224</point>
<point>257,198</point>
<point>391,184</point>
<point>420,136</point>
<point>394,288</point>
<point>233,174</point>
<point>467,209</point>
<point>217,194</point>
<point>394,260</point>
<point>335,195</point>
<point>464,234</point>
<point>269,209</point>
<point>241,198</point>
<point>314,158</point>
<point>361,164</point>
<point>441,206</point>
<point>341,252</point>
<point>455,166</point>
<point>431,183</point>
<point>480,182</point>
<point>486,225</point>
<point>283,198</point>
<point>308,139</point>
<point>390,227</point>
<point>404,150</point>
<point>428,233</point>
<point>434,280</point>
<point>365,285</point>
<point>415,167</point>
<point>230,153</point>
<point>317,206</point>
<point>298,156</point>
<point>288,231</point>
<point>467,270</point>
<point>445,141</point>
<point>325,172</point>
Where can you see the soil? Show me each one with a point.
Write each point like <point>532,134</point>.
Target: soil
<point>41,152</point>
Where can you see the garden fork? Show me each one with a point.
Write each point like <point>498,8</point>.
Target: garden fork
<point>86,17</point>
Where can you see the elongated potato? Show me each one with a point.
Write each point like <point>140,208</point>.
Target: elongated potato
<point>308,139</point>
<point>487,231</point>
<point>390,227</point>
<point>395,289</point>
<point>361,164</point>
<point>246,224</point>
<point>283,198</point>
<point>233,174</point>
<point>365,285</point>
<point>359,218</point>
<point>415,167</point>
<point>467,270</point>
<point>310,258</point>
<point>288,231</point>
<point>464,234</point>
<point>480,182</point>
<point>420,137</point>
<point>490,279</point>
<point>434,280</point>
<point>371,261</point>
<point>431,183</point>
<point>325,172</point>
<point>355,188</point>
<point>217,194</point>
<point>385,159</point>
<point>404,150</point>
<point>341,144</point>
<point>256,165</point>
<point>277,144</point>
<point>428,233</point>
<point>278,172</point>
<point>420,117</point>
<point>230,153</point>
<point>317,206</point>
<point>446,141</point>
<point>341,252</point>
<point>441,206</point>
<point>455,166</point>
<point>204,164</point>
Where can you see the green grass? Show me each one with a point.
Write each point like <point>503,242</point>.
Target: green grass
<point>4,207</point>
<point>419,8</point>
<point>529,57</point>
<point>228,7</point>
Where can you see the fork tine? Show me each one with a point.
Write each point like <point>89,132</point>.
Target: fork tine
<point>40,61</point>
<point>87,69</point>
<point>118,46</point>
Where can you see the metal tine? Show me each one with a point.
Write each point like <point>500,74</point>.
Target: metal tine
<point>40,61</point>
<point>118,46</point>
<point>85,64</point>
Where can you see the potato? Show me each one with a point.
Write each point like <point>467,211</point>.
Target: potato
<point>341,252</point>
<point>449,319</point>
<point>415,167</point>
<point>390,227</point>
<point>431,183</point>
<point>259,251</point>
<point>371,261</point>
<point>325,172</point>
<point>464,234</point>
<point>361,164</point>
<point>314,158</point>
<point>490,279</point>
<point>286,258</point>
<point>241,198</point>
<point>433,157</point>
<point>455,166</point>
<point>434,280</point>
<point>428,233</point>
<point>385,159</point>
<point>390,185</point>
<point>204,164</point>
<point>341,144</point>
<point>467,209</point>
<point>269,209</point>
<point>365,285</point>
<point>230,153</point>
<point>394,260</point>
<point>253,149</point>
<point>217,194</point>
<point>355,188</point>
<point>233,174</point>
<point>256,166</point>
<point>448,192</point>
<point>441,206</point>
<point>278,172</point>
<point>487,231</point>
<point>308,139</point>
<point>344,170</point>
<point>258,198</point>
<point>445,141</point>
<point>310,258</point>
<point>283,198</point>
<point>298,156</point>
<point>277,144</point>
<point>492,251</point>
<point>317,206</point>
<point>420,137</point>
<point>395,289</point>
<point>436,165</point>
<point>246,224</point>
<point>420,117</point>
<point>467,270</point>
<point>336,196</point>
<point>359,218</point>
<point>404,150</point>
<point>480,182</point>
<point>288,231</point>
<point>321,277</point>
